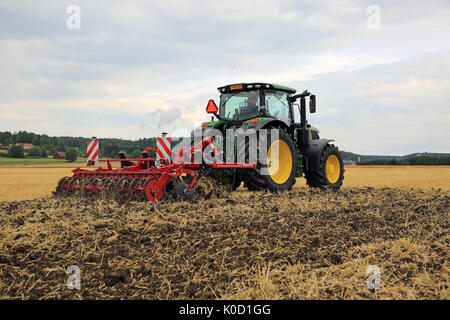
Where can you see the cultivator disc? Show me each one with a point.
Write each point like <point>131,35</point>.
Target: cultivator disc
<point>112,187</point>
<point>138,189</point>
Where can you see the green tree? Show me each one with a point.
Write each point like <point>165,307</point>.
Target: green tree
<point>71,154</point>
<point>428,161</point>
<point>35,152</point>
<point>44,139</point>
<point>61,146</point>
<point>16,152</point>
<point>36,141</point>
<point>443,161</point>
<point>51,149</point>
<point>44,153</point>
<point>135,154</point>
<point>5,138</point>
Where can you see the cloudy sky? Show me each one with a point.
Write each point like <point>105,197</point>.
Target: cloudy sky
<point>380,69</point>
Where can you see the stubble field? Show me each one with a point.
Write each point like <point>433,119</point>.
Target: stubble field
<point>302,244</point>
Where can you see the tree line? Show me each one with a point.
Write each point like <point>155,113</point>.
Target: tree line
<point>411,161</point>
<point>44,145</point>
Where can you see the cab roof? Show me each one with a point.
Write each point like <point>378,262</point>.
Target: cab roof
<point>254,85</point>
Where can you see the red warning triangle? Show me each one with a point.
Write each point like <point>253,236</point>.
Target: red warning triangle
<point>211,107</point>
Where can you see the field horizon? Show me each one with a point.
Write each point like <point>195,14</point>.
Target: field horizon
<point>34,181</point>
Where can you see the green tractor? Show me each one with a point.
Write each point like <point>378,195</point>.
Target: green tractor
<point>296,152</point>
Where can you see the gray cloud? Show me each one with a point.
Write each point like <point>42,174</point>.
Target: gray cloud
<point>132,62</point>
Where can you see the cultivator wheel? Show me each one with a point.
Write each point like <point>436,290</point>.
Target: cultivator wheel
<point>181,190</point>
<point>153,190</point>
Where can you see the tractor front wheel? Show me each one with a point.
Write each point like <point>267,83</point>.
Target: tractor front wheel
<point>330,169</point>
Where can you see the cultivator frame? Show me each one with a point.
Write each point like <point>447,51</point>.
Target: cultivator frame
<point>148,178</point>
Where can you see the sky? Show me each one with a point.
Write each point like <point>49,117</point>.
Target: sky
<point>131,69</point>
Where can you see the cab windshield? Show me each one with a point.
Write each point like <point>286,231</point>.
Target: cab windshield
<point>239,105</point>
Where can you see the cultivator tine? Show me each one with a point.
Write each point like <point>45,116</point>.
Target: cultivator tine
<point>143,184</point>
<point>109,185</point>
<point>134,188</point>
<point>121,188</point>
<point>96,186</point>
<point>85,187</point>
<point>68,185</point>
<point>65,185</point>
<point>76,185</point>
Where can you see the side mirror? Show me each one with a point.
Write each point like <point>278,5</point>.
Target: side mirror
<point>312,103</point>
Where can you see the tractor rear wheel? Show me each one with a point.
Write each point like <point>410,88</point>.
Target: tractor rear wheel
<point>281,164</point>
<point>330,169</point>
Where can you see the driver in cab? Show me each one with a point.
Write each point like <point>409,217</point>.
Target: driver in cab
<point>252,107</point>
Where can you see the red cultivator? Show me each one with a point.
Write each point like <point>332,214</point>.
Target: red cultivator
<point>146,178</point>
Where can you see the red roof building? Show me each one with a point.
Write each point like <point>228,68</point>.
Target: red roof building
<point>26,146</point>
<point>59,155</point>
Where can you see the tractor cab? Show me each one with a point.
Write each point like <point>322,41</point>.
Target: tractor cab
<point>241,102</point>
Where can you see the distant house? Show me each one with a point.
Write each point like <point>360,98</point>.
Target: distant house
<point>26,146</point>
<point>59,155</point>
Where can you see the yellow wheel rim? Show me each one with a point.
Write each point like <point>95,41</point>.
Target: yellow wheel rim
<point>333,169</point>
<point>279,161</point>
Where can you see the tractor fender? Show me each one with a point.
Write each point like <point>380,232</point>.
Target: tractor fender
<point>312,154</point>
<point>271,124</point>
<point>267,124</point>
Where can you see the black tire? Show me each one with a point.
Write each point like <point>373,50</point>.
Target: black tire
<point>319,179</point>
<point>255,180</point>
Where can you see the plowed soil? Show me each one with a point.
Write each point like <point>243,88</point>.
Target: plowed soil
<point>303,244</point>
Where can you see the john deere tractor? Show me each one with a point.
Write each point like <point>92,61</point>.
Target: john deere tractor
<point>298,150</point>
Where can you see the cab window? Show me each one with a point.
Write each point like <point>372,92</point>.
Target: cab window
<point>239,105</point>
<point>277,105</point>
